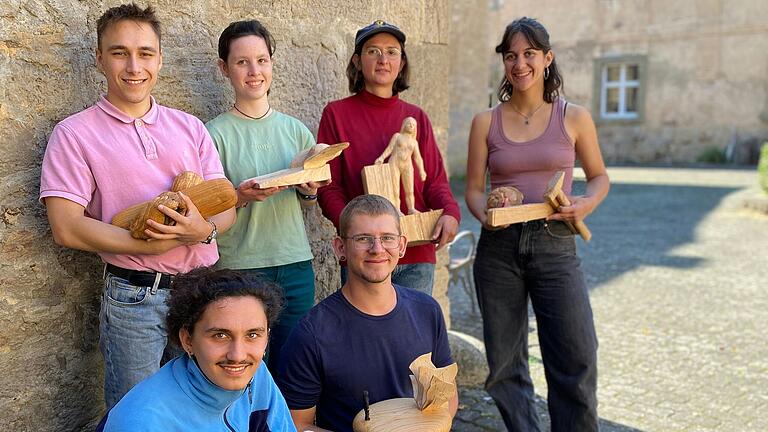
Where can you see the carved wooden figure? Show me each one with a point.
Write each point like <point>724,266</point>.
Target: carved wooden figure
<point>554,197</point>
<point>403,152</point>
<point>211,197</point>
<point>308,165</point>
<point>417,227</point>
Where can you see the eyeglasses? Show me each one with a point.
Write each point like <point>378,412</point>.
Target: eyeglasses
<point>390,53</point>
<point>366,242</point>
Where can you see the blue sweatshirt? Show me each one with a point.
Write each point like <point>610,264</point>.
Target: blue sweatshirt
<point>179,397</point>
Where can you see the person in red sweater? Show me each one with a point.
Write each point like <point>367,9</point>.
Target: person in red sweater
<point>377,73</point>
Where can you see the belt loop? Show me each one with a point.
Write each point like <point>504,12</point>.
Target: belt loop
<point>158,276</point>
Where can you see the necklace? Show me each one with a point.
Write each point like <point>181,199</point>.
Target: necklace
<point>526,117</point>
<point>259,117</point>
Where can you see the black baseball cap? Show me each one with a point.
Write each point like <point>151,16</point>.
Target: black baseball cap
<point>378,26</point>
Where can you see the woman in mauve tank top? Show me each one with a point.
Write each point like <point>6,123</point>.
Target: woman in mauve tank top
<point>522,143</point>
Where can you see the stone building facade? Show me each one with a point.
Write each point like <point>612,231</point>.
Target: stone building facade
<point>666,81</point>
<point>50,367</point>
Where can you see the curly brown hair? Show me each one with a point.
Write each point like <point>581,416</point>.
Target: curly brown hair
<point>192,292</point>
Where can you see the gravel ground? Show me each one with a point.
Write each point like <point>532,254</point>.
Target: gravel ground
<point>677,276</point>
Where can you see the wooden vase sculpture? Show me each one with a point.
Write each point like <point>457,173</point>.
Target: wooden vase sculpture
<point>427,411</point>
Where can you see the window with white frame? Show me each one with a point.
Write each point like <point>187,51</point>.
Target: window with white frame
<point>619,90</point>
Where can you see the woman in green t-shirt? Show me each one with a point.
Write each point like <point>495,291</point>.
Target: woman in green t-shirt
<point>253,139</point>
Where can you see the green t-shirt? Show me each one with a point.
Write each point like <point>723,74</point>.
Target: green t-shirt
<point>268,233</point>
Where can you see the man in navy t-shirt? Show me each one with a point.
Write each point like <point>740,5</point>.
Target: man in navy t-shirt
<point>364,336</point>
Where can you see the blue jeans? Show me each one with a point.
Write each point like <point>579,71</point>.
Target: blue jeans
<point>298,283</point>
<point>133,338</point>
<point>538,260</point>
<point>418,276</point>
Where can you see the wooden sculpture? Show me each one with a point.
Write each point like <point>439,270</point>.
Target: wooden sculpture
<point>554,197</point>
<point>403,152</point>
<point>211,197</point>
<point>427,411</point>
<point>385,179</point>
<point>308,165</point>
<point>505,196</point>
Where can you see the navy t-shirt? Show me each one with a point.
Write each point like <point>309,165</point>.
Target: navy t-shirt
<point>336,352</point>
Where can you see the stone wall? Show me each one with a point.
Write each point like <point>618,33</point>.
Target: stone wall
<point>707,62</point>
<point>471,86</point>
<point>49,296</point>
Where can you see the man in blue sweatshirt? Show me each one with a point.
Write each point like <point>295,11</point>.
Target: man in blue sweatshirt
<point>221,318</point>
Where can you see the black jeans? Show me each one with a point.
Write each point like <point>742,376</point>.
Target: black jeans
<point>537,259</point>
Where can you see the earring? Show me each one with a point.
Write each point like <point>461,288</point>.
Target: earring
<point>505,90</point>
<point>189,353</point>
<point>342,258</point>
<point>402,254</point>
<point>546,72</point>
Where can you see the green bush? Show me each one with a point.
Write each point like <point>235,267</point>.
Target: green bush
<point>762,167</point>
<point>713,155</point>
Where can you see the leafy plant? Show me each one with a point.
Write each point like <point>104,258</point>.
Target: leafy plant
<point>762,168</point>
<point>712,155</point>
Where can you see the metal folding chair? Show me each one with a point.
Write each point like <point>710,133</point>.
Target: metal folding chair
<point>462,256</point>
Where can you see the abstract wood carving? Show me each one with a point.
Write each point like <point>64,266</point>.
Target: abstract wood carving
<point>211,197</point>
<point>427,411</point>
<point>554,197</point>
<point>308,165</point>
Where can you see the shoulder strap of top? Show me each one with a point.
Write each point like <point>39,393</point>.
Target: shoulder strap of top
<point>494,131</point>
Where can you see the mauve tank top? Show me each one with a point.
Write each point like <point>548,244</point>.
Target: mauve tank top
<point>530,165</point>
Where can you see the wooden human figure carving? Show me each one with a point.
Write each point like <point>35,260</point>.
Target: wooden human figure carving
<point>404,151</point>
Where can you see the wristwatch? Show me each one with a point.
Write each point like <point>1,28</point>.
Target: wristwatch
<point>212,236</point>
<point>306,197</point>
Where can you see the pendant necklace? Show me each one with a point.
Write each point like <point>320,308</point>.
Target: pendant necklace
<point>526,117</point>
<point>256,118</point>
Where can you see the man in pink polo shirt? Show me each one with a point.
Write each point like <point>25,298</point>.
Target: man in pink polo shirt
<point>124,150</point>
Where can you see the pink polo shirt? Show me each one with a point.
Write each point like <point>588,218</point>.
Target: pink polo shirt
<point>107,161</point>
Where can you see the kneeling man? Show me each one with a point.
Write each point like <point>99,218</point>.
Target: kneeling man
<point>222,319</point>
<point>364,336</point>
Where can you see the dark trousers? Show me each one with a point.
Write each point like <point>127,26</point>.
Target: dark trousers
<point>298,283</point>
<point>537,259</point>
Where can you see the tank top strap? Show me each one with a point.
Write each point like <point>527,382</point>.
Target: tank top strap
<point>495,131</point>
<point>559,113</point>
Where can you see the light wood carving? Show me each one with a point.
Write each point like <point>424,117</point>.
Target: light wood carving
<point>377,180</point>
<point>308,165</point>
<point>403,152</point>
<point>427,411</point>
<point>402,415</point>
<point>211,197</point>
<point>522,213</point>
<point>417,227</point>
<point>554,197</point>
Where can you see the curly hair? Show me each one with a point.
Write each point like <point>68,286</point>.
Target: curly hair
<point>130,12</point>
<point>192,292</point>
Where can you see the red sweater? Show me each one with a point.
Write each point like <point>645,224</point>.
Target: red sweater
<point>368,122</point>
